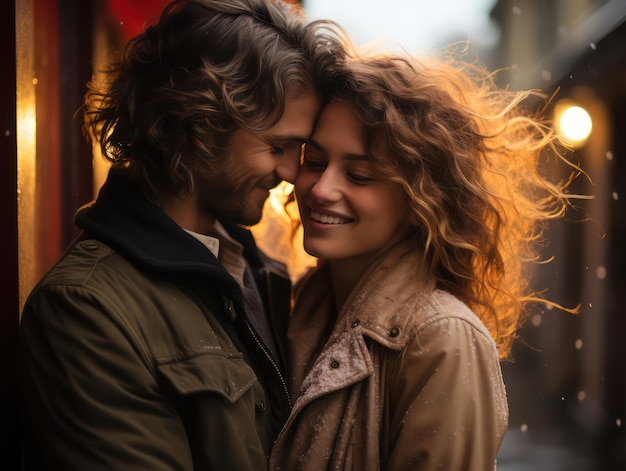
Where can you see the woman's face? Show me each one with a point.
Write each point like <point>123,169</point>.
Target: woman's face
<point>347,211</point>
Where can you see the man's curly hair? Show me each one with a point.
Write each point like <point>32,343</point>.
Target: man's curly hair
<point>204,69</point>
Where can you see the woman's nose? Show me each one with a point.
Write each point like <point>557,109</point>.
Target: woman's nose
<point>326,188</point>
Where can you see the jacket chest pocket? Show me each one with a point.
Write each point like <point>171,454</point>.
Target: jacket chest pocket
<point>227,375</point>
<point>214,396</point>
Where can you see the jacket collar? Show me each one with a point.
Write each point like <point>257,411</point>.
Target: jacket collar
<point>381,307</point>
<point>124,219</point>
<point>386,297</point>
<point>384,301</point>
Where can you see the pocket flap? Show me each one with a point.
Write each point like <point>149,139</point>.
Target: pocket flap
<point>229,376</point>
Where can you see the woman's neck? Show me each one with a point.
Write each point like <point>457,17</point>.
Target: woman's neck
<point>345,274</point>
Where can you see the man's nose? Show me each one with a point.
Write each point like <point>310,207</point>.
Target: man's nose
<point>289,163</point>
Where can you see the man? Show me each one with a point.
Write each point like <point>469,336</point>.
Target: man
<point>153,343</point>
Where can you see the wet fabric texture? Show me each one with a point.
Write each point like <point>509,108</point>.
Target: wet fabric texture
<point>408,379</point>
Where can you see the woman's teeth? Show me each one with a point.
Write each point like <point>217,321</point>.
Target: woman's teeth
<point>326,219</point>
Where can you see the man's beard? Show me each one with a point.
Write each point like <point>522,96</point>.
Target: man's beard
<point>230,199</point>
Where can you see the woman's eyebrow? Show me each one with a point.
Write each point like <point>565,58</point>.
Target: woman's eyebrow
<point>285,138</point>
<point>357,157</point>
<point>314,143</point>
<point>318,146</point>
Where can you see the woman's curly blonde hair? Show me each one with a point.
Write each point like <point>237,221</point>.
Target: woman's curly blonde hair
<point>470,158</point>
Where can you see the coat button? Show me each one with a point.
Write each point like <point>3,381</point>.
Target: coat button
<point>261,406</point>
<point>334,364</point>
<point>394,332</point>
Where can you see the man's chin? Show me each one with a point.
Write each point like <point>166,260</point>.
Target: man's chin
<point>249,220</point>
<point>245,218</point>
<point>252,214</point>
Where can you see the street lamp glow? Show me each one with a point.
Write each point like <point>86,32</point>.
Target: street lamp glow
<point>575,124</point>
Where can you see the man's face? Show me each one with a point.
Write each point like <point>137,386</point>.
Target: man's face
<point>257,161</point>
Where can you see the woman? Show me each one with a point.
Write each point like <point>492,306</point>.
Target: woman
<point>420,194</point>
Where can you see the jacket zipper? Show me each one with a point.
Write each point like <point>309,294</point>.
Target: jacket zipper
<point>272,362</point>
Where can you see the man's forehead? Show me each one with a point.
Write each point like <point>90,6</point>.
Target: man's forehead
<point>297,120</point>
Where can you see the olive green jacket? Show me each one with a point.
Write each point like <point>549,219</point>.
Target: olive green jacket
<point>135,352</point>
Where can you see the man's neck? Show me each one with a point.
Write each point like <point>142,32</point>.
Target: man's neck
<point>184,212</point>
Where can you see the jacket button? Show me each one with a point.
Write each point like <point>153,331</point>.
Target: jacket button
<point>394,332</point>
<point>355,323</point>
<point>230,307</point>
<point>261,406</point>
<point>334,364</point>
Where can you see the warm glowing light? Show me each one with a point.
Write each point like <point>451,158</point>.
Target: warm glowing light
<point>574,124</point>
<point>277,235</point>
<point>26,137</point>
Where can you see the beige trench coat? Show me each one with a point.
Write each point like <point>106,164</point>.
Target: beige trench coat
<point>408,380</point>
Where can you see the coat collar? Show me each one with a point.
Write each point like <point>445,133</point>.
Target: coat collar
<point>383,303</point>
<point>124,219</point>
<point>381,307</point>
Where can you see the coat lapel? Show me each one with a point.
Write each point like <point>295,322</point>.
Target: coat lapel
<point>344,362</point>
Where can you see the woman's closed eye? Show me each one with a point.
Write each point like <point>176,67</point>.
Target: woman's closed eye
<point>360,178</point>
<point>314,165</point>
<point>319,165</point>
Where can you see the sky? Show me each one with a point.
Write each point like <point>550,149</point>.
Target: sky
<point>414,25</point>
